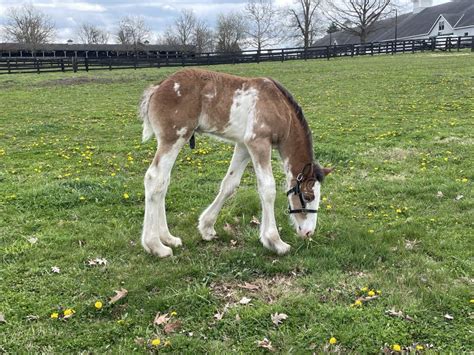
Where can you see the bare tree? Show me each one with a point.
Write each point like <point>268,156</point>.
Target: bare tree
<point>358,16</point>
<point>263,28</point>
<point>305,21</point>
<point>91,34</point>
<point>184,26</point>
<point>203,37</point>
<point>132,30</point>
<point>26,24</point>
<point>230,32</point>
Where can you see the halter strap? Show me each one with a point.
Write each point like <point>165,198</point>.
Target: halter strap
<point>297,191</point>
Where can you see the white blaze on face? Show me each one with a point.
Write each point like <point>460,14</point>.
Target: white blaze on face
<point>176,88</point>
<point>306,223</point>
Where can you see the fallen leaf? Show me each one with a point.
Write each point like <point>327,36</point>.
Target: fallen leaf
<point>220,315</point>
<point>278,318</point>
<point>172,327</point>
<point>118,296</point>
<point>161,319</point>
<point>233,242</point>
<point>266,344</point>
<point>139,341</point>
<point>458,197</point>
<point>399,314</point>
<point>2,318</point>
<point>439,194</point>
<point>245,300</point>
<point>33,240</point>
<point>249,286</point>
<point>255,221</point>
<point>55,269</point>
<point>448,316</point>
<point>32,317</point>
<point>97,261</point>
<point>237,317</point>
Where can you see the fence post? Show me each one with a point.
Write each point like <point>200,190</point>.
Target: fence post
<point>472,43</point>
<point>327,52</point>
<point>37,65</point>
<point>448,44</point>
<point>433,44</point>
<point>9,68</point>
<point>86,63</point>
<point>352,49</point>
<point>74,64</point>
<point>282,55</point>
<point>110,63</point>
<point>62,64</point>
<point>371,48</point>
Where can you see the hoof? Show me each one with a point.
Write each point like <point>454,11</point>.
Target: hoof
<point>161,251</point>
<point>276,245</point>
<point>207,233</point>
<point>172,241</point>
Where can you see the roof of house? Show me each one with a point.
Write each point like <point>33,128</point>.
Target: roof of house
<point>458,14</point>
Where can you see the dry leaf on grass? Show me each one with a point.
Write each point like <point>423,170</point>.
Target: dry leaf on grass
<point>118,296</point>
<point>448,316</point>
<point>161,319</point>
<point>245,300</point>
<point>32,240</point>
<point>255,221</point>
<point>398,314</point>
<point>249,286</point>
<point>458,197</point>
<point>266,344</point>
<point>32,317</point>
<point>2,318</point>
<point>97,261</point>
<point>220,315</point>
<point>278,318</point>
<point>172,327</point>
<point>229,229</point>
<point>55,269</point>
<point>439,194</point>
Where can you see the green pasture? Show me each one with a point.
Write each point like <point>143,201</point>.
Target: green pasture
<point>389,269</point>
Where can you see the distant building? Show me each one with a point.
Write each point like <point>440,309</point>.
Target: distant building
<point>70,49</point>
<point>452,19</point>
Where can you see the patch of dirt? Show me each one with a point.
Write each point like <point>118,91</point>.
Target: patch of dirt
<point>265,289</point>
<point>394,154</point>
<point>79,80</point>
<point>456,140</point>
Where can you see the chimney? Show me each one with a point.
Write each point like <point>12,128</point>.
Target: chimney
<point>420,5</point>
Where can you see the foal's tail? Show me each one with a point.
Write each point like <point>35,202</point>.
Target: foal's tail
<point>144,104</point>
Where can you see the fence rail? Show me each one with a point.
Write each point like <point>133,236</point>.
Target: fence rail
<point>75,64</point>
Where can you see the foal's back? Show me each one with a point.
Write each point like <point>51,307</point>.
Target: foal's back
<point>228,106</point>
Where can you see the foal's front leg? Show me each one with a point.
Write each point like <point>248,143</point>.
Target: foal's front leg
<point>261,152</point>
<point>230,182</point>
<point>155,228</point>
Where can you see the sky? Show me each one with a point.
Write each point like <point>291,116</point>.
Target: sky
<point>69,14</point>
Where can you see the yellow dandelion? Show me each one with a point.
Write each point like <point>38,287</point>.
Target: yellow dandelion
<point>471,301</point>
<point>371,231</point>
<point>156,342</point>
<point>364,289</point>
<point>82,198</point>
<point>399,210</point>
<point>371,293</point>
<point>68,312</point>
<point>358,303</point>
<point>328,207</point>
<point>54,315</point>
<point>419,347</point>
<point>396,347</point>
<point>98,305</point>
<point>332,341</point>
<point>378,292</point>
<point>464,180</point>
<point>126,196</point>
<point>173,313</point>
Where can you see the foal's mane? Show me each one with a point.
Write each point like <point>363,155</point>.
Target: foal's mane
<point>318,172</point>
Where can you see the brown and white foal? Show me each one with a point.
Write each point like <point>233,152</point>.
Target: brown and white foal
<point>255,113</point>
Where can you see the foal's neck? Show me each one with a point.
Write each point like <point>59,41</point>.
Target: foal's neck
<point>296,150</point>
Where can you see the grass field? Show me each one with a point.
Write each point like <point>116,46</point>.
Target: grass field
<point>396,218</point>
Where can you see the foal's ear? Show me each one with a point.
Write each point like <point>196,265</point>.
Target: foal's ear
<point>327,171</point>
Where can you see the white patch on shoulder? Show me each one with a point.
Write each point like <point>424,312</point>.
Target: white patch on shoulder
<point>242,115</point>
<point>176,88</point>
<point>182,131</point>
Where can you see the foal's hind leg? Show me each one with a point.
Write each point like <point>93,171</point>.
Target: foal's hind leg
<point>230,182</point>
<point>155,228</point>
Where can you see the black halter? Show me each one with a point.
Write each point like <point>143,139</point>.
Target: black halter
<point>297,191</point>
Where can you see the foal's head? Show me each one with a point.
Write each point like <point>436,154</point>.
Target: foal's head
<point>304,197</point>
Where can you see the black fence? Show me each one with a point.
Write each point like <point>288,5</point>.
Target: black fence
<point>74,64</point>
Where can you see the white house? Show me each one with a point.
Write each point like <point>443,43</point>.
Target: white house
<point>452,19</point>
